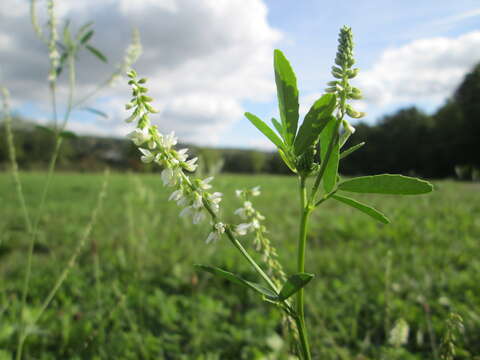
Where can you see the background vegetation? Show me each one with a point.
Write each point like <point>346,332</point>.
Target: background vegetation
<point>135,293</point>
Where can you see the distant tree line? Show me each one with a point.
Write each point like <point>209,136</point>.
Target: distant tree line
<point>444,144</point>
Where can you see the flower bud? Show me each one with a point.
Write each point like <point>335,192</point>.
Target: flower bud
<point>353,113</point>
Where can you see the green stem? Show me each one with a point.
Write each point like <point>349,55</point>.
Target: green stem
<point>13,158</point>
<point>302,241</point>
<point>252,262</point>
<point>51,169</point>
<point>71,87</point>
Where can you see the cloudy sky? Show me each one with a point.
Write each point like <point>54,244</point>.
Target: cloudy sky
<point>209,61</point>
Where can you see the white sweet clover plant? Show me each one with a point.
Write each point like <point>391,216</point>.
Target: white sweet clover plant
<point>311,150</point>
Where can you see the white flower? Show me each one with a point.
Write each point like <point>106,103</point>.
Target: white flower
<point>244,211</point>
<point>140,136</point>
<point>218,230</point>
<point>181,154</point>
<point>152,144</point>
<point>197,200</point>
<point>177,195</point>
<point>242,229</point>
<point>169,141</point>
<point>147,156</point>
<point>255,191</point>
<point>198,216</point>
<point>204,184</point>
<point>183,201</point>
<point>190,164</point>
<point>188,211</point>
<point>214,200</point>
<point>171,177</point>
<point>239,193</point>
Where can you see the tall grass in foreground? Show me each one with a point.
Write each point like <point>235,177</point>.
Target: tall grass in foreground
<point>62,53</point>
<point>311,150</point>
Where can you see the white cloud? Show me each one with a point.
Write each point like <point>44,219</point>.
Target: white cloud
<point>202,58</point>
<point>425,70</point>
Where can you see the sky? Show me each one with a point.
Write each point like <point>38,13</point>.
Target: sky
<point>209,61</point>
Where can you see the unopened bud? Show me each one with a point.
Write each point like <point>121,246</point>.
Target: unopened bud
<point>352,73</point>
<point>150,108</point>
<point>353,113</point>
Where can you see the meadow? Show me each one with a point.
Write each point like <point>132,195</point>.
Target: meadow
<point>135,294</point>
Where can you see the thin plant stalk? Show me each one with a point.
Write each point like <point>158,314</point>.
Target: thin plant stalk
<point>13,158</point>
<point>66,271</point>
<point>302,240</point>
<point>46,188</point>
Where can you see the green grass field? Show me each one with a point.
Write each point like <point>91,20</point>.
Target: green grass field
<point>135,294</point>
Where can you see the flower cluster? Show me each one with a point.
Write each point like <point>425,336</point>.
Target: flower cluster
<point>254,225</point>
<point>155,147</point>
<point>52,43</point>
<point>343,72</point>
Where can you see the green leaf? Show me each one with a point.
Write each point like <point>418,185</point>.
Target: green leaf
<point>67,37</point>
<point>314,122</point>
<point>287,93</point>
<point>278,127</point>
<point>294,283</point>
<point>68,135</point>
<point>238,280</point>
<point>366,209</point>
<point>351,150</point>
<point>263,127</point>
<point>96,112</point>
<point>97,53</point>
<point>287,161</point>
<point>331,170</point>
<point>61,62</point>
<point>86,37</point>
<point>84,28</point>
<point>386,184</point>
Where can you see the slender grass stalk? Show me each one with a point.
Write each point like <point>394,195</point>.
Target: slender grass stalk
<point>13,158</point>
<point>69,266</point>
<point>33,18</point>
